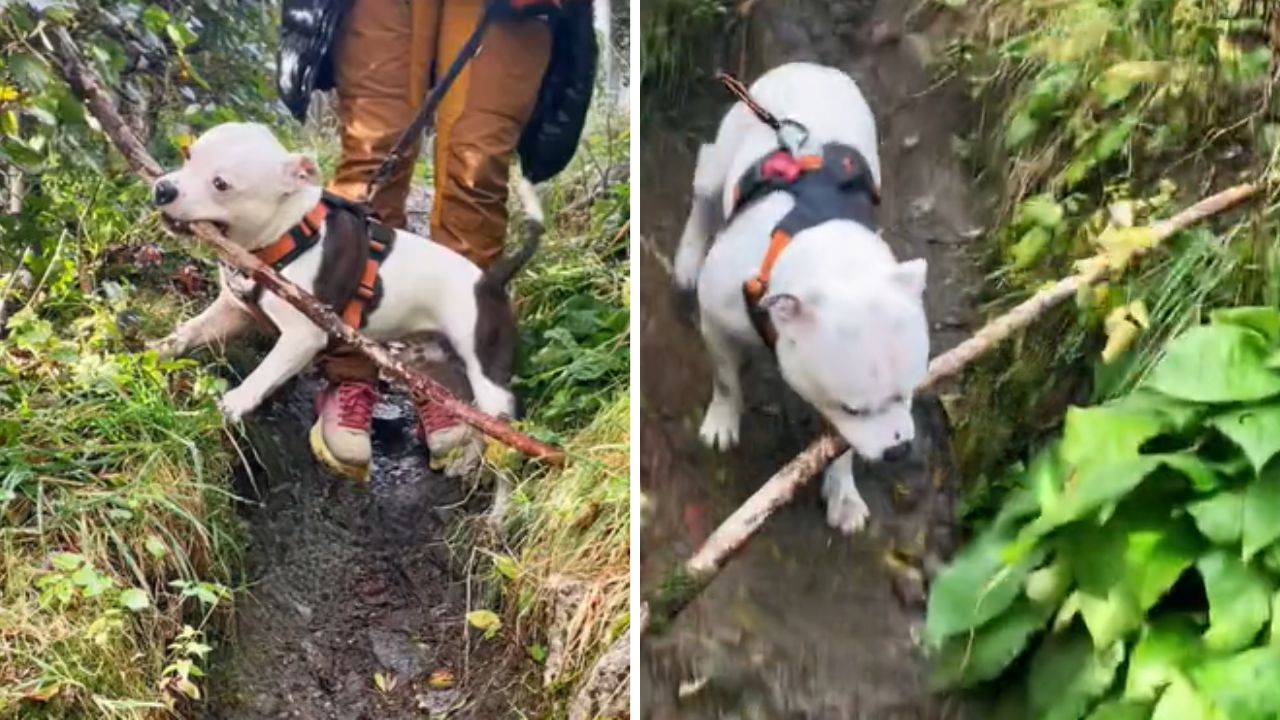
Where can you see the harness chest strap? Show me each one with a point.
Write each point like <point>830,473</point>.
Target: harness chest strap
<point>842,167</point>
<point>303,236</point>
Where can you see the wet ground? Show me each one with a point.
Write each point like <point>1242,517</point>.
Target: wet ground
<point>346,581</point>
<point>804,623</point>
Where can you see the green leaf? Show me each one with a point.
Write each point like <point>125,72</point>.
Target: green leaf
<point>1113,139</point>
<point>485,620</point>
<point>1242,687</point>
<point>1125,566</point>
<point>1024,253</point>
<point>1101,483</point>
<point>1261,513</point>
<point>1117,82</point>
<point>1022,128</point>
<point>1220,517</point>
<point>155,547</point>
<point>1067,675</point>
<point>1040,210</point>
<point>1255,429</point>
<point>506,566</point>
<point>538,653</point>
<point>971,658</point>
<point>977,586</point>
<point>135,599</point>
<point>155,18</point>
<point>1121,710</point>
<point>1261,318</point>
<point>66,562</point>
<point>1181,702</point>
<point>1217,364</point>
<point>29,71</point>
<point>1107,433</point>
<point>1274,639</point>
<point>1158,659</point>
<point>1239,601</point>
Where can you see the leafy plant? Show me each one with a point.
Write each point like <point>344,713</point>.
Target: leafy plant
<point>1133,571</point>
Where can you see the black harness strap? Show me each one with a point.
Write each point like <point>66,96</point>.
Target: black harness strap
<point>836,185</point>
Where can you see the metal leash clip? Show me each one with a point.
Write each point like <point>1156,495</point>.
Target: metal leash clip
<point>792,136</point>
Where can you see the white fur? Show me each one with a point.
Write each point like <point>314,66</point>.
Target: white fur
<point>852,332</point>
<point>426,287</point>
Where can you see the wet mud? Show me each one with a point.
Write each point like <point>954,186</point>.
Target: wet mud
<point>804,623</point>
<point>346,582</point>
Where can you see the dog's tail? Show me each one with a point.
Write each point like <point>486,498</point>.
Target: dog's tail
<point>501,272</point>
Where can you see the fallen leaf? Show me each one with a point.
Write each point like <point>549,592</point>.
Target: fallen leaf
<point>440,680</point>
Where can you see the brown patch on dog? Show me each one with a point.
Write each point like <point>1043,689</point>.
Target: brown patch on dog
<point>346,249</point>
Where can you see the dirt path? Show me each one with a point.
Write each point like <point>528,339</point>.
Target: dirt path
<point>346,581</point>
<point>804,624</point>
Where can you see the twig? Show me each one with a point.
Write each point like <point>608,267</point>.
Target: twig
<point>680,586</point>
<point>85,84</point>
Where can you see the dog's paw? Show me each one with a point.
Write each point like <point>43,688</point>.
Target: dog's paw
<point>720,426</point>
<point>236,404</point>
<point>165,348</point>
<point>686,268</point>
<point>847,512</point>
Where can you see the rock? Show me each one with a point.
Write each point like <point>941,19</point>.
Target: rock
<point>566,596</point>
<point>397,652</point>
<point>606,691</point>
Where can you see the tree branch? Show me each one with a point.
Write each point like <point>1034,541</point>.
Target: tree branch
<point>680,586</point>
<point>85,84</point>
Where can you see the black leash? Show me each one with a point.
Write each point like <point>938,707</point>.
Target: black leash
<point>799,133</point>
<point>429,104</point>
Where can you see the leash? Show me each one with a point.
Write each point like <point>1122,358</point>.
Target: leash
<point>411,133</point>
<point>791,134</point>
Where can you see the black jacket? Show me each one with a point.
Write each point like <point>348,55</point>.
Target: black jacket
<point>305,64</point>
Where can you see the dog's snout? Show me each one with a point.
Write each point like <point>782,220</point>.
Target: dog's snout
<point>898,452</point>
<point>165,192</point>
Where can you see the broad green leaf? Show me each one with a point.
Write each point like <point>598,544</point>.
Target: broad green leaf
<point>1179,413</point>
<point>1274,638</point>
<point>1103,483</point>
<point>1181,702</point>
<point>29,71</point>
<point>1220,517</point>
<point>971,658</point>
<point>1050,584</point>
<point>135,599</point>
<point>1239,600</point>
<point>1262,318</point>
<point>977,586</point>
<point>1107,433</point>
<point>1022,128</point>
<point>155,547</point>
<point>1242,687</point>
<point>1125,566</point>
<point>1113,139</point>
<point>1121,710</point>
<point>1158,659</point>
<point>485,620</point>
<point>66,562</point>
<point>1261,512</point>
<point>1041,210</point>
<point>1216,363</point>
<point>1067,674</point>
<point>1024,253</point>
<point>1255,429</point>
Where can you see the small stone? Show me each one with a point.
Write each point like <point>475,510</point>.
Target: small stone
<point>911,141</point>
<point>922,206</point>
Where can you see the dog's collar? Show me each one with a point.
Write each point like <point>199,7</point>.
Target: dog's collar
<point>832,186</point>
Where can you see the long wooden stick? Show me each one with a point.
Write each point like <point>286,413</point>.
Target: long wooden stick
<point>85,83</point>
<point>680,586</point>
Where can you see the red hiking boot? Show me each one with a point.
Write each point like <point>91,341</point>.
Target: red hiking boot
<point>340,437</point>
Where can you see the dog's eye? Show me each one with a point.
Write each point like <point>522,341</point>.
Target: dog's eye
<point>852,411</point>
<point>220,185</point>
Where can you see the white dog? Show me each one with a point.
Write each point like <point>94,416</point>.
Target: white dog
<point>851,333</point>
<point>239,177</point>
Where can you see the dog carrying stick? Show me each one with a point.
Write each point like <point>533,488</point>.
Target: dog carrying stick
<point>679,587</point>
<point>85,83</point>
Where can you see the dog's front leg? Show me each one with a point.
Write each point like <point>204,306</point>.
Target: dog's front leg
<point>703,217</point>
<point>221,321</point>
<point>846,510</point>
<point>297,346</point>
<point>724,412</point>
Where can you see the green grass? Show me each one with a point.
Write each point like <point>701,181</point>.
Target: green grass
<point>117,531</point>
<point>1096,114</point>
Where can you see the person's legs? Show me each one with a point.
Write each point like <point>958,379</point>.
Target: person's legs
<point>478,127</point>
<point>479,124</point>
<point>383,55</point>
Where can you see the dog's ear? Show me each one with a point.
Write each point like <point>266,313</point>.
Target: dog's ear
<point>783,307</point>
<point>910,276</point>
<point>301,171</point>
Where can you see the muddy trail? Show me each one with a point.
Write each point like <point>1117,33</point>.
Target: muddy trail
<point>346,581</point>
<point>804,623</point>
